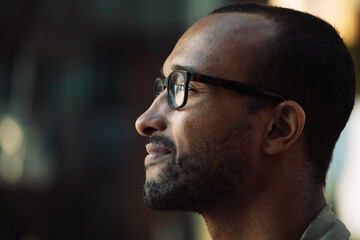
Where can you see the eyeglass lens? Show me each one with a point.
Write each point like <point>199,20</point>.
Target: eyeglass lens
<point>176,89</point>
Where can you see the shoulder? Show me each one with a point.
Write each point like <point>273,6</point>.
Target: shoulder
<point>326,226</point>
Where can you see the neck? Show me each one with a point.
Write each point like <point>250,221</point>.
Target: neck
<point>264,217</point>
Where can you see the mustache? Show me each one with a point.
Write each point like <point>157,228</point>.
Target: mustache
<point>162,140</point>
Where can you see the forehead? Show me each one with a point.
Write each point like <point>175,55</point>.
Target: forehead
<point>222,45</point>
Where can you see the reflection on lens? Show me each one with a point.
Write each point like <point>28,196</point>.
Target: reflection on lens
<point>177,88</point>
<point>179,98</point>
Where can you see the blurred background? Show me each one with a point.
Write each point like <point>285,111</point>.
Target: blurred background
<point>74,76</point>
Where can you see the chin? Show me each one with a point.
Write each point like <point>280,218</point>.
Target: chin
<point>188,189</point>
<point>154,172</point>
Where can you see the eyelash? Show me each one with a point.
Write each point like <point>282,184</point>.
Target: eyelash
<point>192,91</point>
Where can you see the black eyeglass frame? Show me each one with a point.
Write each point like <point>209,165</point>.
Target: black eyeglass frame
<point>243,88</point>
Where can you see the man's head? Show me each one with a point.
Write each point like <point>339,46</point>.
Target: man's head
<point>218,144</point>
<point>310,64</point>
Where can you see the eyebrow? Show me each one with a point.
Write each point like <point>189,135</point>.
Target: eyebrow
<point>180,67</point>
<point>185,68</point>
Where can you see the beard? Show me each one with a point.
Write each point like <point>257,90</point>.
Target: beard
<point>202,181</point>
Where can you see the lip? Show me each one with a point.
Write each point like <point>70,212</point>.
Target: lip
<point>156,153</point>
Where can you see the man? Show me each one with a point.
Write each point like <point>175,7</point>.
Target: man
<point>250,105</point>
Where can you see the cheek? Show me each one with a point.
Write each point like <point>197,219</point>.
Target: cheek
<point>187,129</point>
<point>203,125</point>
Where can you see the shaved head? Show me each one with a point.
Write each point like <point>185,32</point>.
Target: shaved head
<point>232,44</point>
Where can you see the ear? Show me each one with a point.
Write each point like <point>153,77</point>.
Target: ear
<point>284,128</point>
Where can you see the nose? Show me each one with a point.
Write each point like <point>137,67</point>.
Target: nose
<point>154,119</point>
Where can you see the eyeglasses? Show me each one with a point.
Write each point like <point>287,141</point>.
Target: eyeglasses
<point>177,85</point>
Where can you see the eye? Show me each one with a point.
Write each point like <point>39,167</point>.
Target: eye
<point>192,91</point>
<point>181,87</point>
<point>192,88</point>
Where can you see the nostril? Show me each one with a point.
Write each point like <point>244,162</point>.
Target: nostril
<point>149,131</point>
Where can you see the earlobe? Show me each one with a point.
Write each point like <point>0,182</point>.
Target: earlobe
<point>284,128</point>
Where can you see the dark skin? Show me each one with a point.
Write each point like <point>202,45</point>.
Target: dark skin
<point>276,199</point>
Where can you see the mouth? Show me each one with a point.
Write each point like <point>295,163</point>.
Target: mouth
<point>157,153</point>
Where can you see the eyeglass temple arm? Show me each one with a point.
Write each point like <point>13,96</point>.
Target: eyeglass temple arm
<point>242,88</point>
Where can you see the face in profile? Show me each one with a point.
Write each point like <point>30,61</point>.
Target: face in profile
<point>200,154</point>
